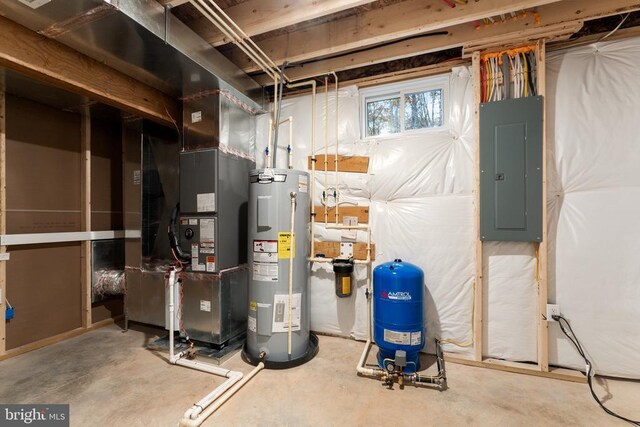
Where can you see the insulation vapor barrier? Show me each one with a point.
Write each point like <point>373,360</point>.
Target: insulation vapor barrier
<point>419,189</point>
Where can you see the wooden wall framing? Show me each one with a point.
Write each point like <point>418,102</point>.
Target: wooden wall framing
<point>83,282</point>
<point>542,367</point>
<point>3,211</point>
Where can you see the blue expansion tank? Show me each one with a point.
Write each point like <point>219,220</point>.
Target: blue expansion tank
<point>398,312</point>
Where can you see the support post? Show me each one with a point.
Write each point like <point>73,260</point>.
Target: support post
<point>542,274</point>
<point>85,188</point>
<point>3,211</point>
<point>478,284</point>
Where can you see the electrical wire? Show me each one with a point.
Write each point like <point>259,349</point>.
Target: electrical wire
<point>590,373</point>
<point>616,28</point>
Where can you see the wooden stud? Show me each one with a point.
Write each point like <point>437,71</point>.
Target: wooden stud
<point>52,62</point>
<point>85,197</point>
<point>478,302</point>
<point>542,323</point>
<point>361,212</point>
<point>332,250</point>
<point>58,338</point>
<point>518,368</point>
<point>358,164</point>
<point>3,211</point>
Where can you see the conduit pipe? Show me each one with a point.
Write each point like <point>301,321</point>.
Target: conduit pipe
<point>194,416</point>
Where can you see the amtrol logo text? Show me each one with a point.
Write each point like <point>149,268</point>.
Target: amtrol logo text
<point>404,296</point>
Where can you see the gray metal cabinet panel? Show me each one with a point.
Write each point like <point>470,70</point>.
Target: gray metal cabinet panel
<point>225,175</point>
<point>511,170</point>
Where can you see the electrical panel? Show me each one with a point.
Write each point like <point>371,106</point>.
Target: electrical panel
<point>511,170</point>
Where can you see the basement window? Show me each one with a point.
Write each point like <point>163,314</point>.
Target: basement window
<point>405,107</point>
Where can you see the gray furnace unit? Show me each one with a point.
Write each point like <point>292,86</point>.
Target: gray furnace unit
<point>213,230</point>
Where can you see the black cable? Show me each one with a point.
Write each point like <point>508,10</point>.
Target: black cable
<point>574,339</point>
<point>181,257</point>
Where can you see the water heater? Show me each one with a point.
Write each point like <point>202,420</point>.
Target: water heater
<point>398,313</point>
<point>278,320</point>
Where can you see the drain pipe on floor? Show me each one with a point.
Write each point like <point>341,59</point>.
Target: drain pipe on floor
<point>201,410</point>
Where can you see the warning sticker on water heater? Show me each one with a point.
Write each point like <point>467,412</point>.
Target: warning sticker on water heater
<point>395,337</point>
<point>284,245</point>
<point>265,271</point>
<point>303,183</point>
<point>281,312</point>
<point>265,250</point>
<point>251,323</point>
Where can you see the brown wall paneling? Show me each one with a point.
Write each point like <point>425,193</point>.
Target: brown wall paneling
<point>43,196</point>
<point>107,309</point>
<point>132,189</point>
<point>43,168</point>
<point>106,176</point>
<point>43,284</point>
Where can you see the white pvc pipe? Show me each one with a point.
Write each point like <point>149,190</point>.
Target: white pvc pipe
<point>312,184</point>
<point>326,147</point>
<point>268,165</point>
<point>172,279</point>
<point>337,198</point>
<point>253,52</point>
<point>194,414</point>
<point>186,422</point>
<point>244,37</point>
<point>291,253</point>
<point>290,142</point>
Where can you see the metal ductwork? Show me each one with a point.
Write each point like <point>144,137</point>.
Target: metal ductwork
<point>141,39</point>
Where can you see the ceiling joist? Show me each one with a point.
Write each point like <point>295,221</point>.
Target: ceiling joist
<point>380,25</point>
<point>557,21</point>
<point>261,16</point>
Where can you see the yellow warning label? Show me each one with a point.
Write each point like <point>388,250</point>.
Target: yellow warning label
<point>252,305</point>
<point>284,245</point>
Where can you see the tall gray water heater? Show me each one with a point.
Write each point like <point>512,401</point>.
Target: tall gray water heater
<point>272,308</point>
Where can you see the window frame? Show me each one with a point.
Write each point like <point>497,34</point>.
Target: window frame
<point>393,90</point>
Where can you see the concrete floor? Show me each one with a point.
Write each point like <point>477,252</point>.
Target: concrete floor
<point>110,379</point>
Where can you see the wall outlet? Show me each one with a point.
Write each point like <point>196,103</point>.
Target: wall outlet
<point>552,310</point>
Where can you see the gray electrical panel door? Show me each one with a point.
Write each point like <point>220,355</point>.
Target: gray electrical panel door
<point>511,170</point>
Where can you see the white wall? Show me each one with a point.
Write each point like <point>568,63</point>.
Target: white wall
<point>419,190</point>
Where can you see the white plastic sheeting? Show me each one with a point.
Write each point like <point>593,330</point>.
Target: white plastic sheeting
<point>419,192</point>
<point>594,203</point>
<point>419,189</point>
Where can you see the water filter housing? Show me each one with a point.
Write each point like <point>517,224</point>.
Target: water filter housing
<point>398,312</point>
<point>270,244</point>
